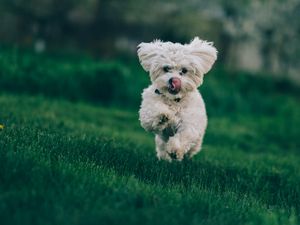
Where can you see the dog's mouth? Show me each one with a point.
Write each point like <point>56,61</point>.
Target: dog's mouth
<point>174,85</point>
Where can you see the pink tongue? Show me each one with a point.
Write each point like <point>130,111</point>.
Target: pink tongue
<point>176,84</point>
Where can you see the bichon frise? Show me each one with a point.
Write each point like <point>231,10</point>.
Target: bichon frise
<point>172,106</point>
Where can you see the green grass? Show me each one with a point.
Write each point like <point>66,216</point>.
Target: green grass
<point>66,162</point>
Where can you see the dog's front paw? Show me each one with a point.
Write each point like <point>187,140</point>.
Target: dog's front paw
<point>163,119</point>
<point>161,122</point>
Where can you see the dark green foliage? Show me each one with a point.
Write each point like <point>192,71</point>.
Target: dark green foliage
<point>71,79</point>
<point>65,162</point>
<point>121,82</point>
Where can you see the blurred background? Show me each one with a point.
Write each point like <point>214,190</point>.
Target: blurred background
<point>86,49</point>
<point>256,36</point>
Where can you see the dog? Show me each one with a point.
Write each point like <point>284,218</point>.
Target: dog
<point>172,107</point>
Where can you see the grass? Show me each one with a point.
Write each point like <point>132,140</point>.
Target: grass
<point>66,162</point>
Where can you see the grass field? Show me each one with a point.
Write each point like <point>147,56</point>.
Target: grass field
<point>67,159</point>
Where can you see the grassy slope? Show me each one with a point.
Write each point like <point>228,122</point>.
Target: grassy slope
<point>79,163</point>
<point>67,163</point>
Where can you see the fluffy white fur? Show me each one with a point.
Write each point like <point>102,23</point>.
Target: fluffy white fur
<point>178,120</point>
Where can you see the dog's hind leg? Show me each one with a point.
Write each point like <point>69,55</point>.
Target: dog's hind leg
<point>197,148</point>
<point>185,141</point>
<point>161,149</point>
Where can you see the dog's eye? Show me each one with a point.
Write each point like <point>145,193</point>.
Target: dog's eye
<point>184,70</point>
<point>166,69</point>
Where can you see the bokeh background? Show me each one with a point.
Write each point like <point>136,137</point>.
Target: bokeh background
<point>72,150</point>
<point>250,35</point>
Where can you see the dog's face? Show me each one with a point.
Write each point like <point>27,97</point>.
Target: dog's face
<point>177,69</point>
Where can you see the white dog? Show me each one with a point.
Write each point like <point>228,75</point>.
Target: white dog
<point>172,106</point>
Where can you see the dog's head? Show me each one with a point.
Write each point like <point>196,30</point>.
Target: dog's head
<point>177,69</point>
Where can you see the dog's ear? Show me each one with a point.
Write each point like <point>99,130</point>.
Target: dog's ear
<point>147,52</point>
<point>204,54</point>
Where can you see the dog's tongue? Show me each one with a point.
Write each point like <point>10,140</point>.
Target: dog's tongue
<point>175,85</point>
